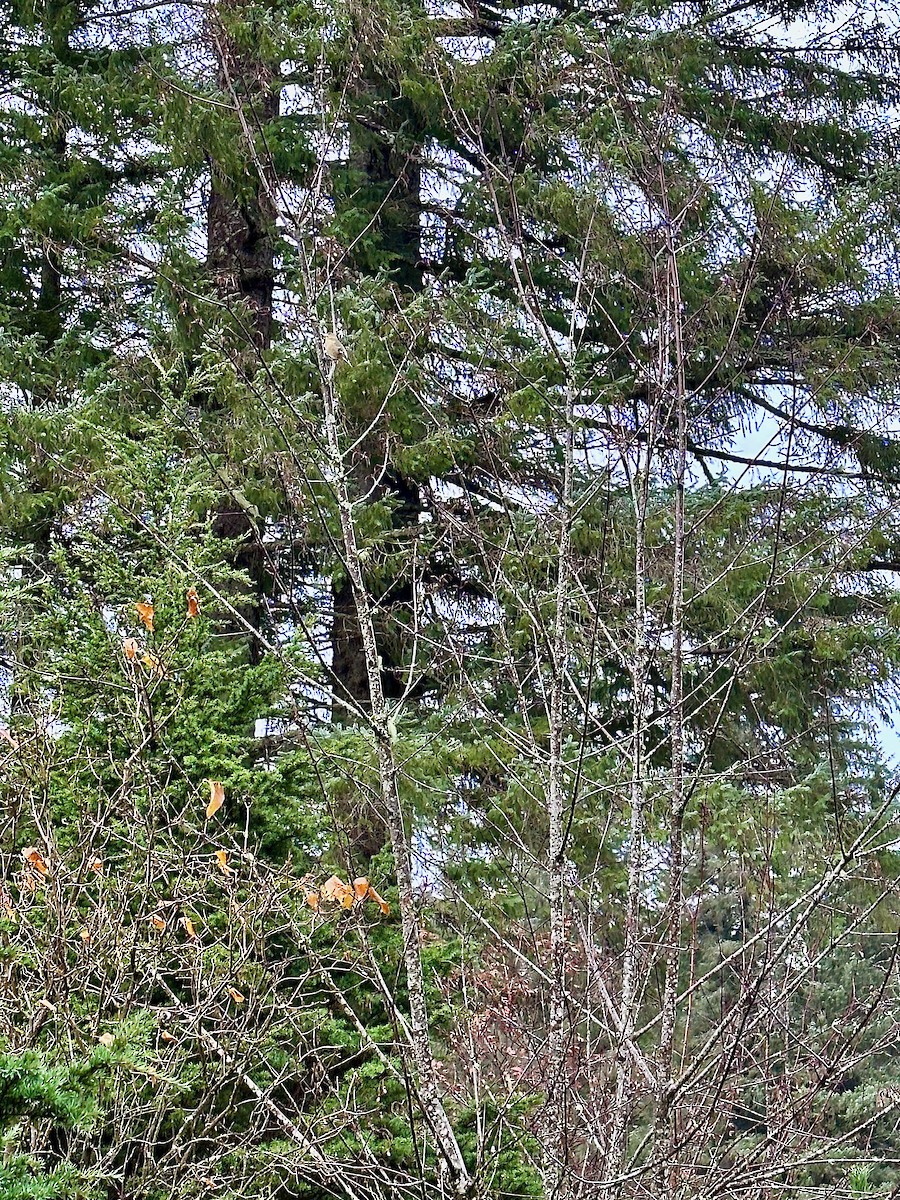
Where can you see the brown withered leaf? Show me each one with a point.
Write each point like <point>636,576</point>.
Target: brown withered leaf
<point>189,928</point>
<point>35,860</point>
<point>221,857</point>
<point>382,904</point>
<point>363,890</point>
<point>193,602</point>
<point>145,612</point>
<point>237,997</point>
<point>216,797</point>
<point>336,890</point>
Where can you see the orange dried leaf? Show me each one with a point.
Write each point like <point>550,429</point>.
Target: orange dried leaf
<point>216,797</point>
<point>166,1036</point>
<point>193,602</point>
<point>335,889</point>
<point>237,997</point>
<point>35,859</point>
<point>145,612</point>
<point>312,899</point>
<point>363,890</point>
<point>96,865</point>
<point>130,648</point>
<point>222,861</point>
<point>382,904</point>
<point>189,928</point>
<point>158,922</point>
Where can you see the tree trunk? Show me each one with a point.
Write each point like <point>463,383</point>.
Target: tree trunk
<point>240,216</point>
<point>388,181</point>
<point>240,259</point>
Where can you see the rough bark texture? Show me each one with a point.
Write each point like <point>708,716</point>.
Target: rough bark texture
<point>240,260</point>
<point>240,213</point>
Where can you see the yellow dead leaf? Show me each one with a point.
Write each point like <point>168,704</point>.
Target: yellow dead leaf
<point>216,797</point>
<point>145,612</point>
<point>222,861</point>
<point>166,1036</point>
<point>107,1039</point>
<point>193,602</point>
<point>237,997</point>
<point>189,928</point>
<point>35,860</point>
<point>152,663</point>
<point>158,922</point>
<point>6,906</point>
<point>312,899</point>
<point>130,648</point>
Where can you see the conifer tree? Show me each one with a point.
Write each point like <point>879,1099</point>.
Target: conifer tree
<point>565,862</point>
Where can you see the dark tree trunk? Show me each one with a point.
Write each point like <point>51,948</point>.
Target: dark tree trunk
<point>240,260</point>
<point>48,316</point>
<point>240,214</point>
<point>387,180</point>
<point>351,687</point>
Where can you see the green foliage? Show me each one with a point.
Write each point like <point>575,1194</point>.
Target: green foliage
<point>484,206</point>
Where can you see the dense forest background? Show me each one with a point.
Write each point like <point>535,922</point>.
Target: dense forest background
<point>449,534</point>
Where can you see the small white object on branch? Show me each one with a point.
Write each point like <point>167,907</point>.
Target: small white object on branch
<point>333,347</point>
